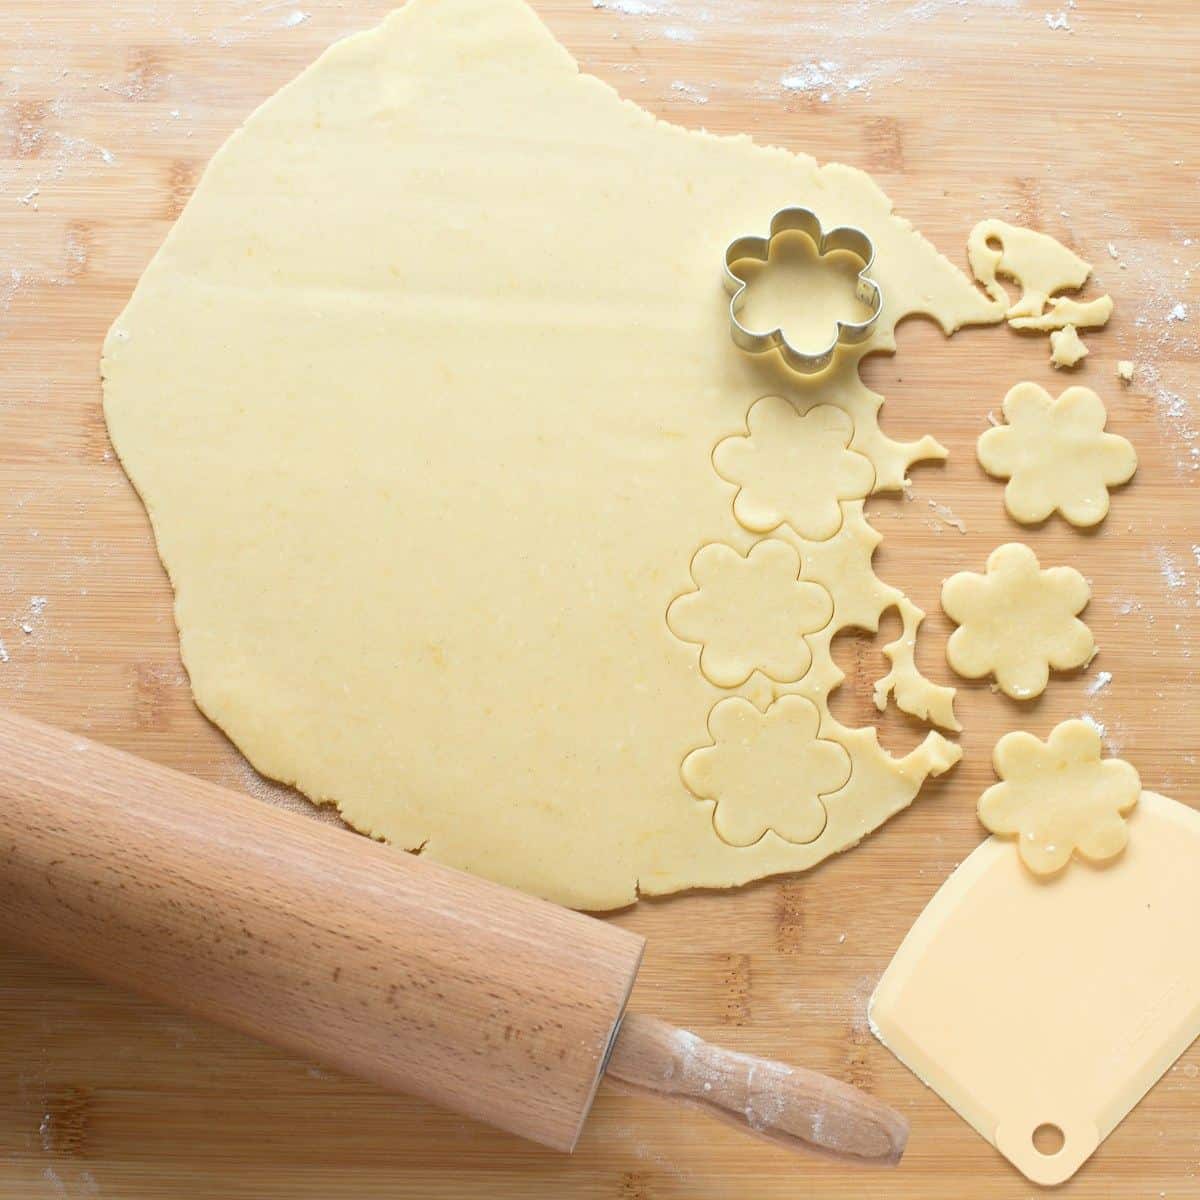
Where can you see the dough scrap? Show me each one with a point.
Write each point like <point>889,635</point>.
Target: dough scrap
<point>1125,370</point>
<point>1042,267</point>
<point>1066,347</point>
<point>421,394</point>
<point>750,612</point>
<point>1024,1001</point>
<point>766,770</point>
<point>1038,263</point>
<point>794,468</point>
<point>1056,455</point>
<point>915,695</point>
<point>1059,798</point>
<point>1017,621</point>
<point>1064,311</point>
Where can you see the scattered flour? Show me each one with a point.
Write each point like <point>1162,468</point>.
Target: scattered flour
<point>631,8</point>
<point>1058,20</point>
<point>1175,415</point>
<point>843,40</point>
<point>1102,680</point>
<point>294,18</point>
<point>1172,572</point>
<point>946,515</point>
<point>1163,331</point>
<point>826,78</point>
<point>51,1176</point>
<point>27,622</point>
<point>689,92</point>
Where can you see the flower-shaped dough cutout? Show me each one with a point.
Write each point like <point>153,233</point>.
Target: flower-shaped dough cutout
<point>794,468</point>
<point>1017,621</point>
<point>750,613</point>
<point>1058,797</point>
<point>1055,454</point>
<point>766,770</point>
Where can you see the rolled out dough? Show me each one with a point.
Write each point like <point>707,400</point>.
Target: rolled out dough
<point>422,394</point>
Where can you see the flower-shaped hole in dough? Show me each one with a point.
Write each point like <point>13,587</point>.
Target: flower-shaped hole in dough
<point>750,613</point>
<point>1017,621</point>
<point>1055,454</point>
<point>766,770</point>
<point>793,468</point>
<point>1058,797</point>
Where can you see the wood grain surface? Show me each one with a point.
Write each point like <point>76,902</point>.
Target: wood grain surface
<point>961,109</point>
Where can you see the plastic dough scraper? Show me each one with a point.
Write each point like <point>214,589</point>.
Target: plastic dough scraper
<point>498,1005</point>
<point>1042,1010</point>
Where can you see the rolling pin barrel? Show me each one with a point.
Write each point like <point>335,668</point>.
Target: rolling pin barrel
<point>332,946</point>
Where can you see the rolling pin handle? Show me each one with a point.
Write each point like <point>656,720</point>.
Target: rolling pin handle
<point>796,1108</point>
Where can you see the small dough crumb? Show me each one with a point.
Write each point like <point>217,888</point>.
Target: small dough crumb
<point>1066,347</point>
<point>1125,370</point>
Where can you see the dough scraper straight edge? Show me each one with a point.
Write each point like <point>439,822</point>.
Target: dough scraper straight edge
<point>384,965</point>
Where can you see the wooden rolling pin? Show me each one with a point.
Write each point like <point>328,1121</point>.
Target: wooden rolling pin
<point>380,964</point>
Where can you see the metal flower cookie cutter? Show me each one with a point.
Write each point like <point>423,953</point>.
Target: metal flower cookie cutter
<point>844,237</point>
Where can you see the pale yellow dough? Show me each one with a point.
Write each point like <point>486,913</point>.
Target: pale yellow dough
<point>1056,455</point>
<point>1066,348</point>
<point>1017,621</point>
<point>793,468</point>
<point>1023,1001</point>
<point>1059,798</point>
<point>1042,267</point>
<point>914,693</point>
<point>750,613</point>
<point>766,770</point>
<point>1065,312</point>
<point>422,394</point>
<point>1039,264</point>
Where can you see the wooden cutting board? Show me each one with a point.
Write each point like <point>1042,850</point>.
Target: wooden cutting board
<point>1083,123</point>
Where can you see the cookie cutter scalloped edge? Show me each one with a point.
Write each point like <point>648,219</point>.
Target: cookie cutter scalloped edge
<point>843,237</point>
